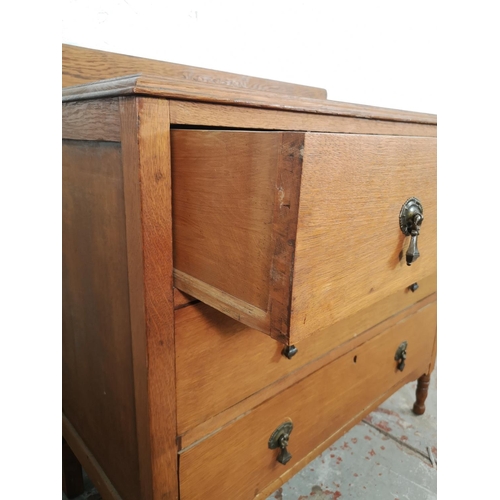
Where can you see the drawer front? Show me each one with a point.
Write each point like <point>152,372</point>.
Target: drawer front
<point>236,461</point>
<point>216,355</point>
<point>290,232</point>
<point>350,250</point>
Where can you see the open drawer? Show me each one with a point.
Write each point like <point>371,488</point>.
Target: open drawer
<point>289,232</point>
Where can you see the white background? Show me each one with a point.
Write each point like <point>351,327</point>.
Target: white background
<point>440,57</point>
<point>366,53</point>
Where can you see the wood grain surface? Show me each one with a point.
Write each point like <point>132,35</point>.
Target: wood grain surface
<point>223,199</point>
<point>432,363</point>
<point>291,229</point>
<point>315,452</point>
<point>97,120</point>
<point>236,462</point>
<point>224,115</point>
<point>174,89</point>
<point>146,166</point>
<point>215,423</point>
<point>285,213</point>
<point>235,203</point>
<point>82,65</point>
<point>211,394</point>
<point>222,301</point>
<point>97,373</point>
<point>350,249</point>
<point>235,206</point>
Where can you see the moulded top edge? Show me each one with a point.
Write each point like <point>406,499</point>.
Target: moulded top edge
<point>157,86</point>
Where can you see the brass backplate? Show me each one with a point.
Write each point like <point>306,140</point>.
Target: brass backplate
<point>284,428</point>
<point>411,207</point>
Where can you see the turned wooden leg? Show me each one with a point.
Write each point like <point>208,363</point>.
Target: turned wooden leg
<point>421,393</point>
<point>71,472</point>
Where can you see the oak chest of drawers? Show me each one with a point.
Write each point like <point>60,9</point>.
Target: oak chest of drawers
<point>248,270</point>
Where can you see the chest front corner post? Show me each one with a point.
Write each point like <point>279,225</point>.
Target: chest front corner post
<point>145,139</point>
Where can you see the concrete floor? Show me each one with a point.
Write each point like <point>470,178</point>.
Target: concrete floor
<point>385,457</point>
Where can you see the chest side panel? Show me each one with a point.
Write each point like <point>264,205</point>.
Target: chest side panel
<point>97,374</point>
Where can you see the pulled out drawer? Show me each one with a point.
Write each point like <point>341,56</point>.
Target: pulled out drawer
<point>289,232</point>
<point>237,462</point>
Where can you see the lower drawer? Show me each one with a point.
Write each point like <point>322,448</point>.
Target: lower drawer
<point>236,462</point>
<point>217,356</point>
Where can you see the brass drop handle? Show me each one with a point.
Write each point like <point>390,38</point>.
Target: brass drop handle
<point>400,355</point>
<point>410,220</point>
<point>284,456</point>
<point>279,439</point>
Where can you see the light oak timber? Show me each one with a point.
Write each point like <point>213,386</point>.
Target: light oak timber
<point>97,120</point>
<point>235,204</point>
<point>349,249</point>
<point>232,218</point>
<point>147,182</point>
<point>432,363</point>
<point>82,65</point>
<point>225,115</point>
<point>175,89</point>
<point>163,394</point>
<point>284,226</point>
<point>236,461</point>
<point>228,304</point>
<point>223,199</point>
<point>297,467</point>
<point>204,397</point>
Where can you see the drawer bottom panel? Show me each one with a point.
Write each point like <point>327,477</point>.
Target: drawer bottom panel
<point>236,461</point>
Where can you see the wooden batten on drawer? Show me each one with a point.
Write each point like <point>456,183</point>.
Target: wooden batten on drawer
<point>289,232</point>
